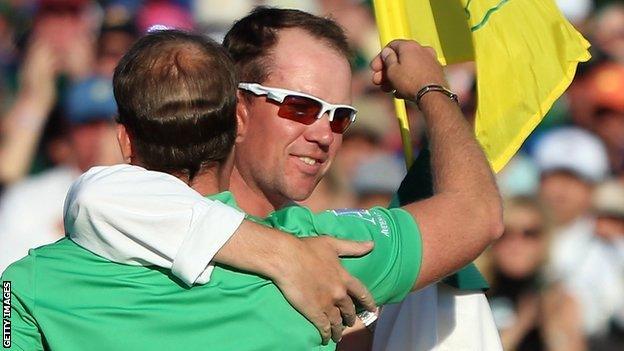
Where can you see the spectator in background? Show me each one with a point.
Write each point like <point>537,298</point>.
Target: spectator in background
<point>520,177</point>
<point>604,87</point>
<point>164,13</point>
<point>60,45</point>
<point>25,120</point>
<point>573,162</point>
<point>118,32</point>
<point>607,32</point>
<point>62,49</point>
<point>530,314</point>
<point>358,144</point>
<point>608,205</point>
<point>366,138</point>
<point>376,180</point>
<point>31,210</point>
<point>576,11</point>
<point>597,104</point>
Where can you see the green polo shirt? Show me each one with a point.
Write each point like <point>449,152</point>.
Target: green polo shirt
<point>64,297</point>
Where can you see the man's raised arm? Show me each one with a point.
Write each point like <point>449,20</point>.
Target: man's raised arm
<point>134,216</point>
<point>465,214</point>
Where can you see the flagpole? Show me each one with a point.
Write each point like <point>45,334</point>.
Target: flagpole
<point>392,24</point>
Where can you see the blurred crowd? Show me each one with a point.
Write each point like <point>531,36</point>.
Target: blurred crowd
<point>557,274</point>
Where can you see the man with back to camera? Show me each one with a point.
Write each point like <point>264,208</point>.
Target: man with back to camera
<point>28,335</point>
<point>235,301</point>
<point>262,178</point>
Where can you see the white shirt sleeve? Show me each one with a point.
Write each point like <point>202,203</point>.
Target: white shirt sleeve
<point>130,215</point>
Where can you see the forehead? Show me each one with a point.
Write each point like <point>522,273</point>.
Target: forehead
<point>307,64</point>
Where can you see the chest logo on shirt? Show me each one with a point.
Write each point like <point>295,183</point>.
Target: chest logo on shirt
<point>370,216</point>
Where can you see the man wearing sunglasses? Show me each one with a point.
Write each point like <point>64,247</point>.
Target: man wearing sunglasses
<point>303,142</point>
<point>304,108</point>
<point>293,104</point>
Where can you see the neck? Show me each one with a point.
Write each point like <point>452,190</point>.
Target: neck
<point>208,181</point>
<point>251,199</point>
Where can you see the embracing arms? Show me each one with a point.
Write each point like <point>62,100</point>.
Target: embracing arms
<point>134,216</point>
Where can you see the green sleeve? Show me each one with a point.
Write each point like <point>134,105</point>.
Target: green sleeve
<point>390,270</point>
<point>25,334</point>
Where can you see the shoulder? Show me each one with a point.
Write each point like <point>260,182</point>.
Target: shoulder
<point>19,277</point>
<point>119,173</point>
<point>110,182</point>
<point>19,269</point>
<point>63,254</point>
<point>293,219</point>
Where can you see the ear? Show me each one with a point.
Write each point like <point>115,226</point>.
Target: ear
<point>242,116</point>
<point>123,138</point>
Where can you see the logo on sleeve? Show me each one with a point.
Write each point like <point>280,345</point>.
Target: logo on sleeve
<point>372,217</point>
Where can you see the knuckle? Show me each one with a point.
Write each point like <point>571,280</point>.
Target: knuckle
<point>340,294</point>
<point>348,311</point>
<point>430,50</point>
<point>335,317</point>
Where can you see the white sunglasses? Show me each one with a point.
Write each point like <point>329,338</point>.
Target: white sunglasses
<point>305,108</point>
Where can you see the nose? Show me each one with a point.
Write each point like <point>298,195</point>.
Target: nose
<point>320,132</point>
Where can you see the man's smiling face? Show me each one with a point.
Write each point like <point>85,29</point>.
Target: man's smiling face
<point>282,157</point>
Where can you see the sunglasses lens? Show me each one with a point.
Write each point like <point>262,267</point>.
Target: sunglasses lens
<point>300,109</point>
<point>305,110</point>
<point>342,119</point>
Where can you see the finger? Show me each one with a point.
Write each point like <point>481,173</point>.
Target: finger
<point>431,51</point>
<point>360,293</point>
<point>336,324</point>
<point>398,44</point>
<point>322,323</point>
<point>347,310</point>
<point>389,56</point>
<point>376,63</point>
<point>350,248</point>
<point>377,78</point>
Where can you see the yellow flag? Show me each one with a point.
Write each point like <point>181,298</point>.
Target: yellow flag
<point>525,51</point>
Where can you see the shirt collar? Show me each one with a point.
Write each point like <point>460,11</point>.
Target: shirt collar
<point>225,197</point>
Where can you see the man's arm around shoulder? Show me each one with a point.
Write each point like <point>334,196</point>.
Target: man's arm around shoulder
<point>131,215</point>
